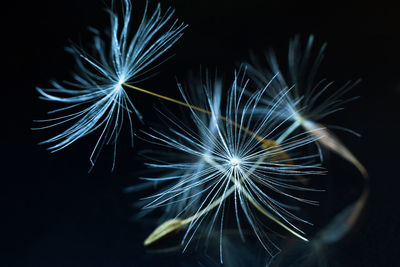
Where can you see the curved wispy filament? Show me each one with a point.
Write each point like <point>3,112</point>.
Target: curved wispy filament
<point>305,103</point>
<point>222,161</point>
<point>96,91</point>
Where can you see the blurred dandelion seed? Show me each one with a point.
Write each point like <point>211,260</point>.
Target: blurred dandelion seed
<point>97,90</point>
<point>243,151</point>
<point>229,160</point>
<point>301,104</point>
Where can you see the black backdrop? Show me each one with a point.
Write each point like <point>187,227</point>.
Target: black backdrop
<point>55,213</point>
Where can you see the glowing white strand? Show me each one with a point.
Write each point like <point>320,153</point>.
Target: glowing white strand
<point>97,87</point>
<point>235,165</point>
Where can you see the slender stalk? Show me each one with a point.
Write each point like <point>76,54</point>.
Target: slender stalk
<point>259,138</point>
<point>237,184</point>
<point>216,202</point>
<point>288,131</point>
<point>213,205</point>
<point>167,98</point>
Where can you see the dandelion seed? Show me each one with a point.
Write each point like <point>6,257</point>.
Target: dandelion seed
<point>303,104</point>
<point>221,160</point>
<point>97,88</point>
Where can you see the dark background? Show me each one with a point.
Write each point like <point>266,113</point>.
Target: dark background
<point>55,213</point>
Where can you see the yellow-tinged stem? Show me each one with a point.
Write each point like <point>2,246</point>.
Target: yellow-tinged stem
<point>216,202</point>
<point>167,98</point>
<point>174,224</point>
<point>209,207</point>
<point>270,216</point>
<point>248,196</point>
<point>259,138</point>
